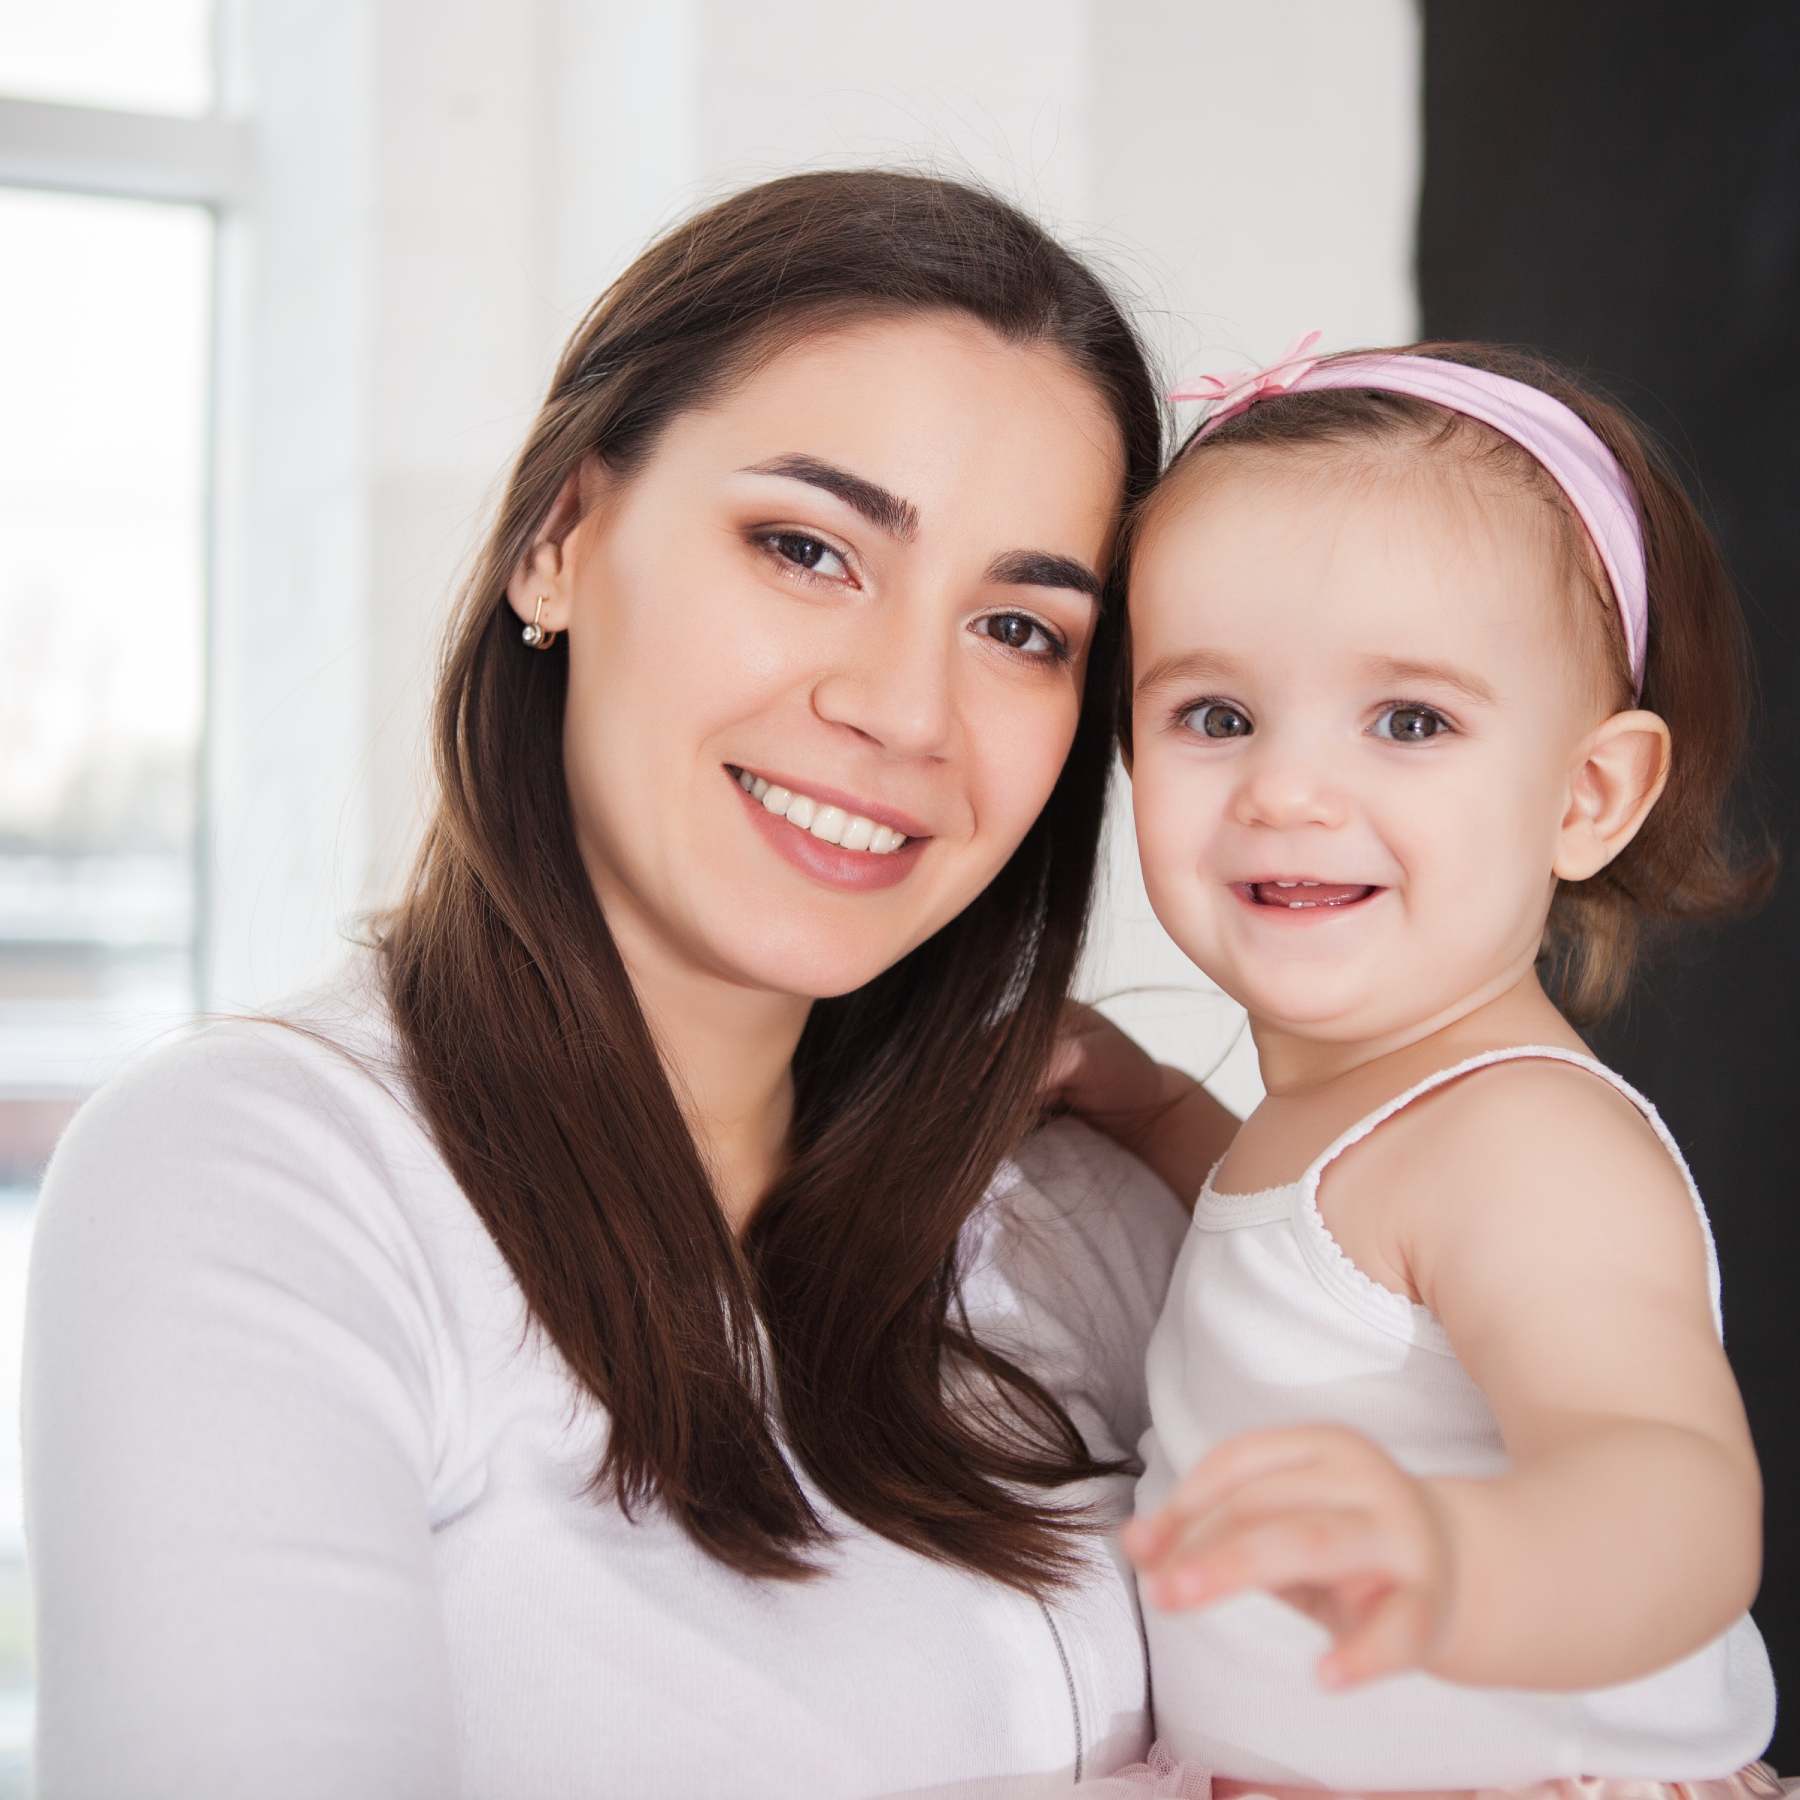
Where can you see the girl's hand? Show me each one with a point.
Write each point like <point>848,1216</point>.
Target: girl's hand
<point>1321,1518</point>
<point>1162,1115</point>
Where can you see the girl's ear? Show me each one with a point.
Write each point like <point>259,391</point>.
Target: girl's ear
<point>544,571</point>
<point>1618,774</point>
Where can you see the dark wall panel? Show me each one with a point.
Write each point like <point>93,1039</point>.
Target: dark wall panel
<point>1619,184</point>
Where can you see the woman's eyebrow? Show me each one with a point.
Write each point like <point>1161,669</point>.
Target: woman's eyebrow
<point>898,518</point>
<point>1044,568</point>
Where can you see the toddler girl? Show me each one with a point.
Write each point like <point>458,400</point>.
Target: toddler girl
<point>1437,685</point>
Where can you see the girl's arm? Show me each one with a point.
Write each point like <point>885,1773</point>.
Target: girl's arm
<point>1557,1243</point>
<point>1162,1115</point>
<point>1572,1276</point>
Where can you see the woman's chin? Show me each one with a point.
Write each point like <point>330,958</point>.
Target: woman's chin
<point>809,966</point>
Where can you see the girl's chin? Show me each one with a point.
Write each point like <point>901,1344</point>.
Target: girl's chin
<point>1330,1018</point>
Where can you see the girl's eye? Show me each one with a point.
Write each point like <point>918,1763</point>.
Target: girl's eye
<point>1215,719</point>
<point>808,554</point>
<point>1411,724</point>
<point>1021,633</point>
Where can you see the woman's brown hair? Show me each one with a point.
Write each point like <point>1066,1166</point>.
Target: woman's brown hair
<point>530,1056</point>
<point>1685,863</point>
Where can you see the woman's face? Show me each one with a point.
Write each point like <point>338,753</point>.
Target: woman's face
<point>846,604</point>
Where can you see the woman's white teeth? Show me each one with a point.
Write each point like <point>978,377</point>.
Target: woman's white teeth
<point>830,824</point>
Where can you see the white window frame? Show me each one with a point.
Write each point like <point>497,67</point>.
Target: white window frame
<point>114,153</point>
<point>282,841</point>
<point>118,153</point>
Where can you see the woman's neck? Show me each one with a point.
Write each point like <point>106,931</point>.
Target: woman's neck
<point>729,1053</point>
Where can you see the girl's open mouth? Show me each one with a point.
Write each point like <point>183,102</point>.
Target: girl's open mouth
<point>1303,894</point>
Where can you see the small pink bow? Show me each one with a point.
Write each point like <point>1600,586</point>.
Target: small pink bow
<point>1228,396</point>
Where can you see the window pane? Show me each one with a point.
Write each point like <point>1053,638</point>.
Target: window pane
<point>144,55</point>
<point>104,364</point>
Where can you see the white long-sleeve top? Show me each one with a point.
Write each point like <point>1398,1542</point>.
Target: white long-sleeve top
<point>305,1508</point>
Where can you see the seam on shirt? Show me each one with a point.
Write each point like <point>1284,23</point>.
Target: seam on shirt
<point>1062,1655</point>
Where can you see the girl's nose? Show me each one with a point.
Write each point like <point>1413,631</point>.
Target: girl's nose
<point>896,689</point>
<point>1288,792</point>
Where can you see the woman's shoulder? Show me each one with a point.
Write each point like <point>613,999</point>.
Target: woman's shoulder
<point>320,1065</point>
<point>1078,1239</point>
<point>1071,1179</point>
<point>243,1141</point>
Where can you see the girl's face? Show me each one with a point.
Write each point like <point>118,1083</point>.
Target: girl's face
<point>1356,679</point>
<point>866,578</point>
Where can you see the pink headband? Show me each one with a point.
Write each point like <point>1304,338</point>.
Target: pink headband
<point>1578,462</point>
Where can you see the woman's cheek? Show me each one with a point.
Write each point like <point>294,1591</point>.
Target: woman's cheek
<point>1042,737</point>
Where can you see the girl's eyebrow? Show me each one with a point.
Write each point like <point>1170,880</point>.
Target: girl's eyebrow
<point>1188,665</point>
<point>1402,669</point>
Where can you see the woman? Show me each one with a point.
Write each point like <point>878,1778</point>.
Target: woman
<point>604,1350</point>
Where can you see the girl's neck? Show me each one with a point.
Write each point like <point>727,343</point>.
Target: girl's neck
<point>1513,1009</point>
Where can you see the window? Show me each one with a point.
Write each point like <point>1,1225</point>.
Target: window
<point>146,55</point>
<point>113,174</point>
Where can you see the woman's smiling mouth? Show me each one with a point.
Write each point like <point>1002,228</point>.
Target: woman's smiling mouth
<point>826,835</point>
<point>825,820</point>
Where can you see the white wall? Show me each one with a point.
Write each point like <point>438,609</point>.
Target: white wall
<point>1246,170</point>
<point>1257,167</point>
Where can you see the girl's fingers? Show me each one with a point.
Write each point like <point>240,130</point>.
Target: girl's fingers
<point>1148,1540</point>
<point>1319,1548</point>
<point>1255,1454</point>
<point>1148,1537</point>
<point>1392,1635</point>
<point>1305,1487</point>
<point>1152,1538</point>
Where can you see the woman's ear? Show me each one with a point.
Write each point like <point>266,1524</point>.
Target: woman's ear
<point>1618,774</point>
<point>544,571</point>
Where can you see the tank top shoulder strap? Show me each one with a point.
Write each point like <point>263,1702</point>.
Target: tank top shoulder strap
<point>1521,1053</point>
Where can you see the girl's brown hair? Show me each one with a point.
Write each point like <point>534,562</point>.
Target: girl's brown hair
<point>530,1056</point>
<point>1685,862</point>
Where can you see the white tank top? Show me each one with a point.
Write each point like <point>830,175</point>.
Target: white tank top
<point>1269,1323</point>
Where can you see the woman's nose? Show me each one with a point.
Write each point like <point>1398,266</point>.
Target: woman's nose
<point>1285,791</point>
<point>896,689</point>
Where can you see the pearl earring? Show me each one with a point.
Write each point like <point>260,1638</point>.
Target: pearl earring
<point>534,634</point>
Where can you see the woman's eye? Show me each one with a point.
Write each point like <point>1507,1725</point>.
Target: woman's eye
<point>1411,724</point>
<point>1024,634</point>
<point>1215,719</point>
<point>811,555</point>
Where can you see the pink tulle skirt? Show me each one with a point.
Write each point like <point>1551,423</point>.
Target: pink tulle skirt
<point>1162,1778</point>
